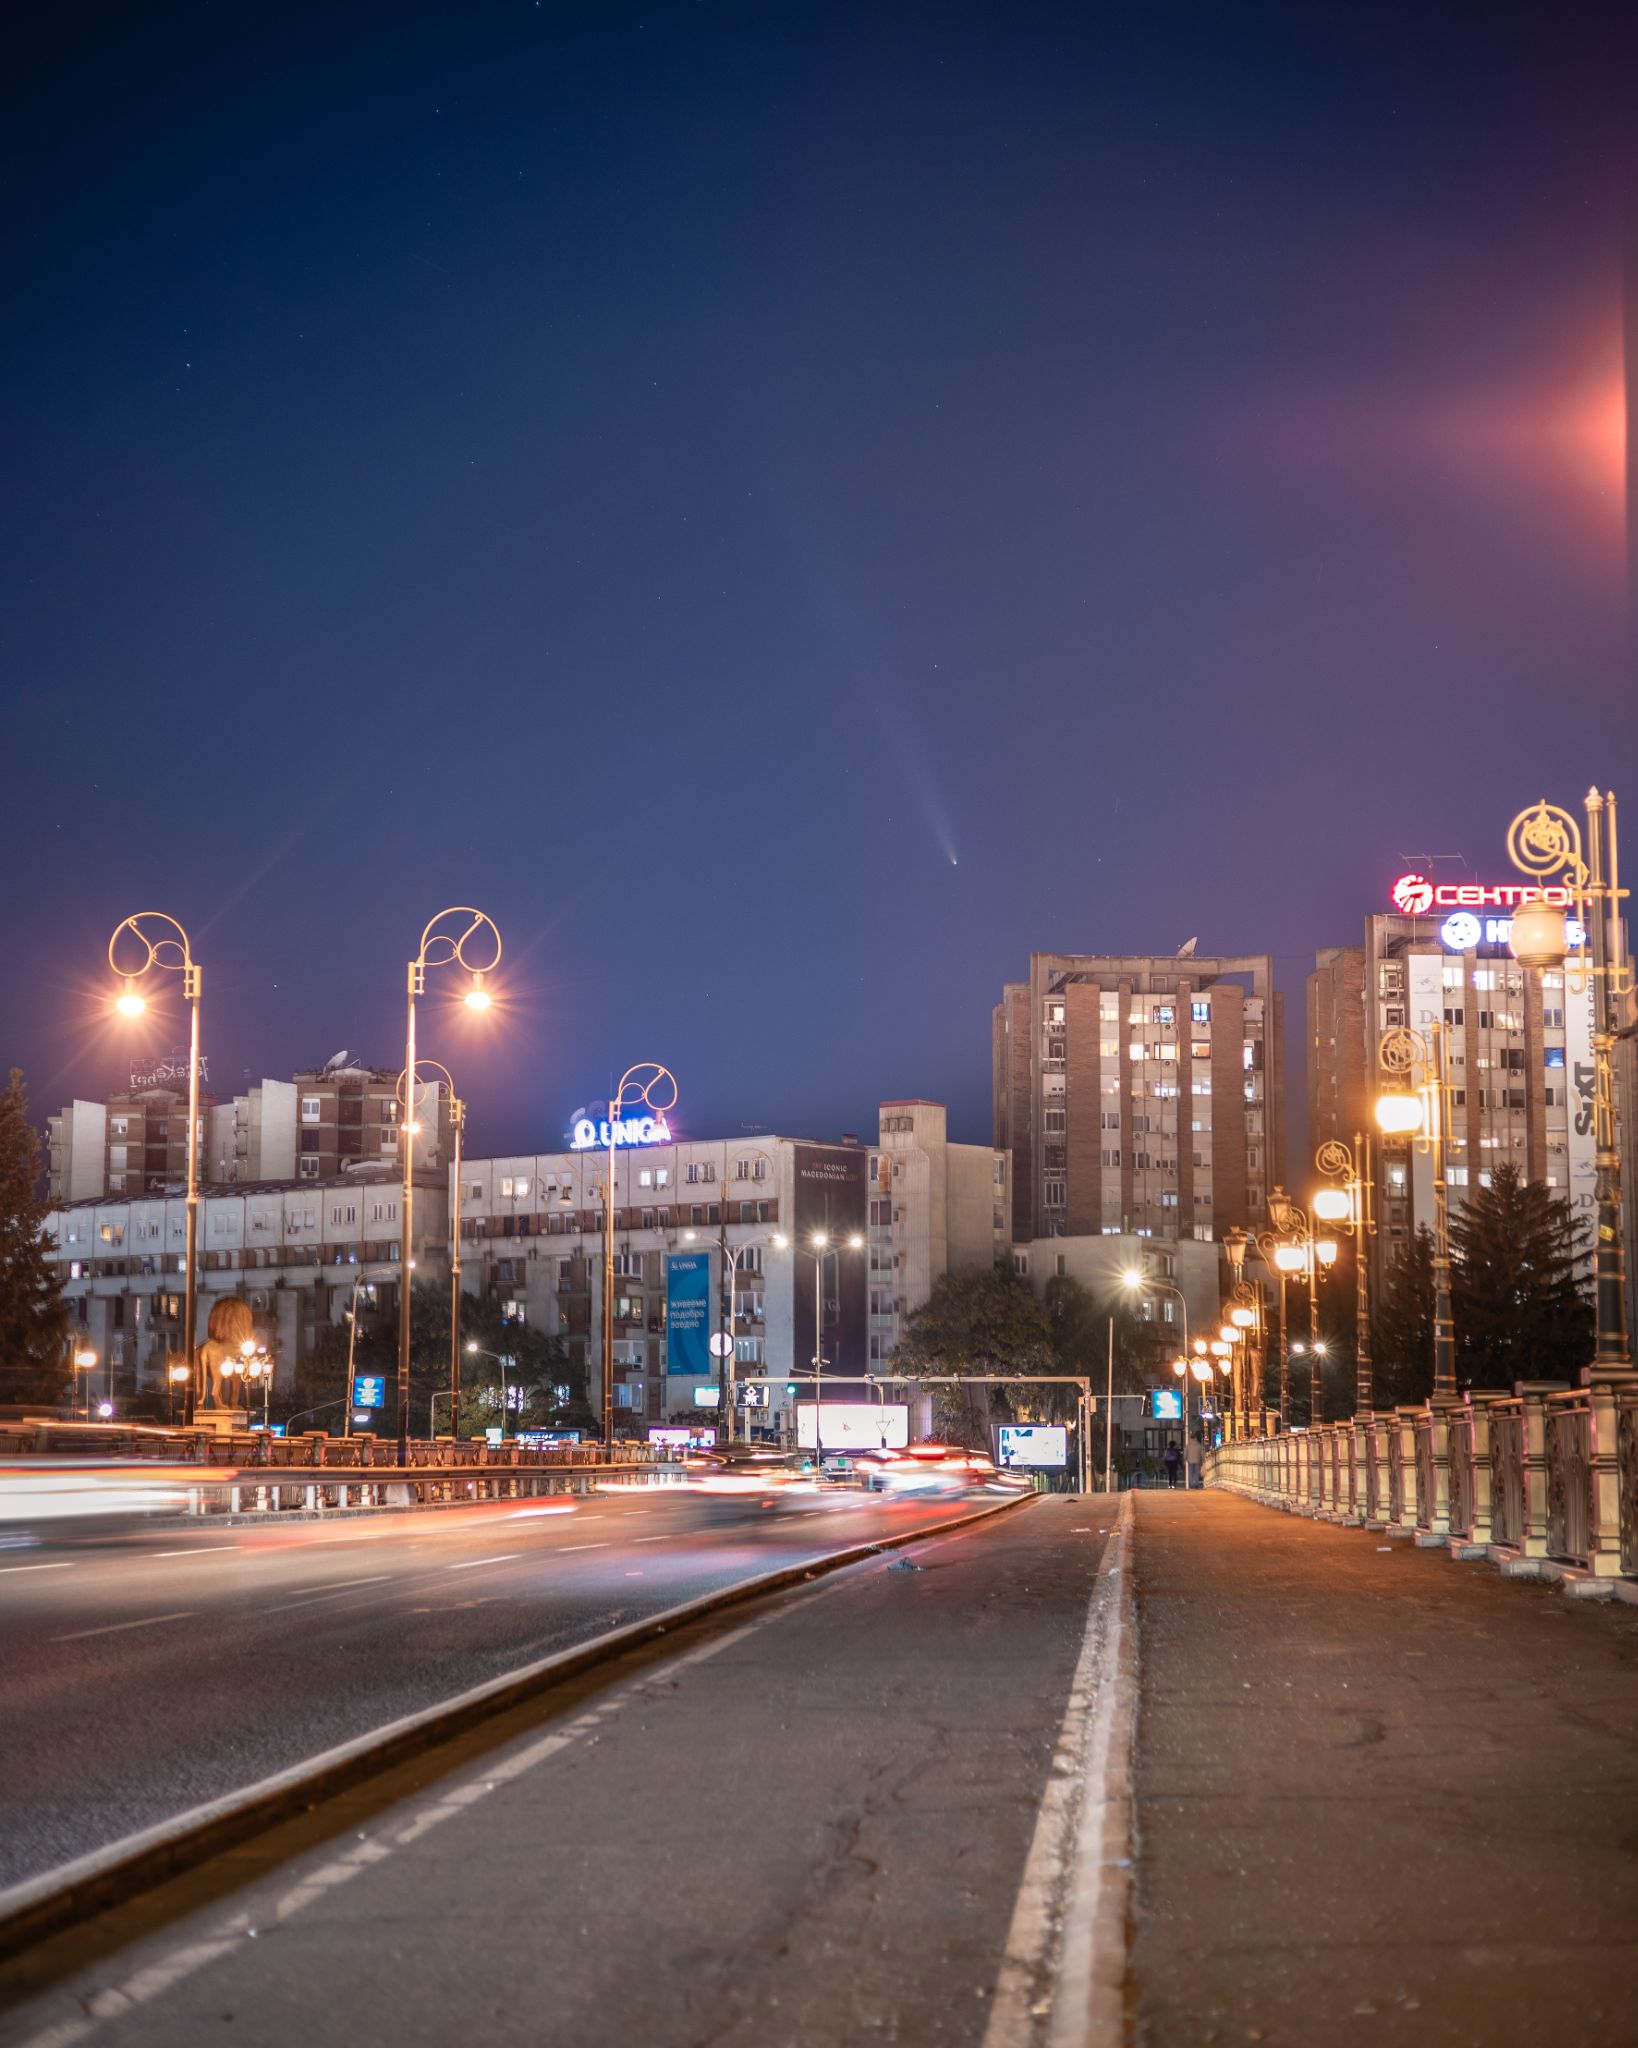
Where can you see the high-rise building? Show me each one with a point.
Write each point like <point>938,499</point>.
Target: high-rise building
<point>1518,1053</point>
<point>135,1141</point>
<point>1139,1094</point>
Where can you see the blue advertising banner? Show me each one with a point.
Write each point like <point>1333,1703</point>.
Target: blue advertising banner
<point>369,1390</point>
<point>688,1320</point>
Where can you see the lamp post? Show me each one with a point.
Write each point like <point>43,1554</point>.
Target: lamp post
<point>164,944</point>
<point>1541,843</point>
<point>1348,1202</point>
<point>1134,1279</point>
<point>655,1087</point>
<point>1413,1106</point>
<point>175,1376</point>
<point>85,1360</point>
<point>476,1350</point>
<point>819,1248</point>
<point>1297,1251</point>
<point>478,940</point>
<point>731,1256</point>
<point>457,1124</point>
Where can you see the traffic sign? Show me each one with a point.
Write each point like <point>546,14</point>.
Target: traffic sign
<point>369,1390</point>
<point>721,1343</point>
<point>750,1395</point>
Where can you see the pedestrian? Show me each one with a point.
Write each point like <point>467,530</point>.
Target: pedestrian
<point>1196,1454</point>
<point>1173,1461</point>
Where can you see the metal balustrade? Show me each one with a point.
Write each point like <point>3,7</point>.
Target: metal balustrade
<point>1543,1480</point>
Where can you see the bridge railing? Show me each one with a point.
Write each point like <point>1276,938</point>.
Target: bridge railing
<point>1544,1479</point>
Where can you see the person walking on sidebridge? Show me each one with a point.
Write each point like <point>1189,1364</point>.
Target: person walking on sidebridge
<point>1174,1458</point>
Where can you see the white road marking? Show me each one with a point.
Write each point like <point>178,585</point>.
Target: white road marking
<point>564,1549</point>
<point>1069,1996</point>
<point>4,1568</point>
<point>206,1550</point>
<point>505,1557</point>
<point>115,1628</point>
<point>165,1971</point>
<point>330,1593</point>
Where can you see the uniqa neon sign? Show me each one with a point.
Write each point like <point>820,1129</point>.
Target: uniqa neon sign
<point>627,1130</point>
<point>1415,895</point>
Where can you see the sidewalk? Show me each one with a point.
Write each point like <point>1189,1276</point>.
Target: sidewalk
<point>1381,1797</point>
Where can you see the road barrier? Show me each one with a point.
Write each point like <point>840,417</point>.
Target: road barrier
<point>1543,1481</point>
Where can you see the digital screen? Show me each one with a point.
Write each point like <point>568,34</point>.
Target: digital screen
<point>369,1391</point>
<point>1166,1404</point>
<point>855,1425</point>
<point>1033,1444</point>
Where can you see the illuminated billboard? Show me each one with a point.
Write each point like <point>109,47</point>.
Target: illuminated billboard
<point>855,1425</point>
<point>1033,1444</point>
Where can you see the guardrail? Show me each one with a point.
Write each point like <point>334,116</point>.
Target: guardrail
<point>261,1447</point>
<point>1543,1480</point>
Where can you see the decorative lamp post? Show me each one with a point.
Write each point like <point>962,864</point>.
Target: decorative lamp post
<point>1349,1203</point>
<point>1413,1106</point>
<point>819,1248</point>
<point>409,1120</point>
<point>476,949</point>
<point>655,1087</point>
<point>1542,843</point>
<point>164,944</point>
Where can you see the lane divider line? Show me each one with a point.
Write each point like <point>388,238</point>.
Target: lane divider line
<point>117,1628</point>
<point>137,1863</point>
<point>470,1563</point>
<point>62,1566</point>
<point>1062,1975</point>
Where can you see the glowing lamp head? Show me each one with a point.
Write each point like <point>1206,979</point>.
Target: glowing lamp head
<point>477,996</point>
<point>1220,1349</point>
<point>820,1240</point>
<point>129,1002</point>
<point>781,1241</point>
<point>1325,1250</point>
<point>85,1359</point>
<point>1224,1367</point>
<point>1242,1318</point>
<point>472,1346</point>
<point>1202,1370</point>
<point>105,1409</point>
<point>1180,1366</point>
<point>1331,1205</point>
<point>177,1375</point>
<point>1322,1349</point>
<point>1228,1333</point>
<point>1399,1112</point>
<point>1131,1276</point>
<point>247,1348</point>
<point>1538,937</point>
<point>855,1243</point>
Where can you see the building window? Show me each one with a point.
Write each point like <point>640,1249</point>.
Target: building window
<point>1055,1120</point>
<point>310,1109</point>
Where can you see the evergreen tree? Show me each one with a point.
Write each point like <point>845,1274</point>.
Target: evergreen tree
<point>1402,1328</point>
<point>33,1315</point>
<point>1517,1285</point>
<point>975,1323</point>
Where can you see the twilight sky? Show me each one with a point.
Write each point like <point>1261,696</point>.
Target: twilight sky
<point>787,508</point>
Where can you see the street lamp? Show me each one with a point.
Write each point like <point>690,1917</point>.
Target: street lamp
<point>1413,1106</point>
<point>257,1365</point>
<point>177,1376</point>
<point>476,1350</point>
<point>85,1360</point>
<point>1347,1201</point>
<point>1134,1279</point>
<point>476,950</point>
<point>457,1124</point>
<point>819,1248</point>
<point>164,944</point>
<point>1541,843</point>
<point>655,1087</point>
<point>732,1254</point>
<point>1295,1249</point>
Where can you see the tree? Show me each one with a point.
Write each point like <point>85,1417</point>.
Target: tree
<point>985,1322</point>
<point>1520,1307</point>
<point>538,1368</point>
<point>1402,1329</point>
<point>33,1315</point>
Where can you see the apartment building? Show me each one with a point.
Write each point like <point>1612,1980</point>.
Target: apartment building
<point>688,1211</point>
<point>1518,1053</point>
<point>1139,1095</point>
<point>294,1251</point>
<point>312,1127</point>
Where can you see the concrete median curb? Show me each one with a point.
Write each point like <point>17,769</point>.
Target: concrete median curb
<point>110,1876</point>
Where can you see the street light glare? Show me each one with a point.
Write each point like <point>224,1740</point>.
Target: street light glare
<point>855,1242</point>
<point>1331,1205</point>
<point>477,996</point>
<point>1131,1277</point>
<point>820,1240</point>
<point>1399,1112</point>
<point>129,1003</point>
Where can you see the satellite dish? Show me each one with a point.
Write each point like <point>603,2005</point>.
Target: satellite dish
<point>335,1064</point>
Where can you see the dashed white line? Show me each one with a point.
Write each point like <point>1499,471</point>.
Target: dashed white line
<point>505,1557</point>
<point>205,1550</point>
<point>330,1593</point>
<point>563,1549</point>
<point>62,1567</point>
<point>115,1628</point>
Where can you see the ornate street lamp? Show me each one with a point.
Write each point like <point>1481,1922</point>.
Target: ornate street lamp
<point>1414,1106</point>
<point>655,1087</point>
<point>1347,1202</point>
<point>164,944</point>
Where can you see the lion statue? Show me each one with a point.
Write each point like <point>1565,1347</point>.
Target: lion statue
<point>231,1324</point>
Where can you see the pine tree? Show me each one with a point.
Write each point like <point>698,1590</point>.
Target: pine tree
<point>33,1314</point>
<point>1402,1328</point>
<point>1518,1285</point>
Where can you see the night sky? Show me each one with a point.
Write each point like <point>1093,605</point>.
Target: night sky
<point>789,509</point>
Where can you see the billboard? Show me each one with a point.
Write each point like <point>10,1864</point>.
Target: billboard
<point>1033,1444</point>
<point>830,1195</point>
<point>688,1314</point>
<point>369,1390</point>
<point>855,1425</point>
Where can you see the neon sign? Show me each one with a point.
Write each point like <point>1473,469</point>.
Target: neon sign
<point>1463,930</point>
<point>628,1130</point>
<point>1415,895</point>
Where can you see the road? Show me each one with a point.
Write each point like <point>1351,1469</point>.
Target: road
<point>806,1823</point>
<point>151,1668</point>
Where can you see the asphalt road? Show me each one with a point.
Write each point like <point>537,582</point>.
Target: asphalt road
<point>807,1824</point>
<point>149,1668</point>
